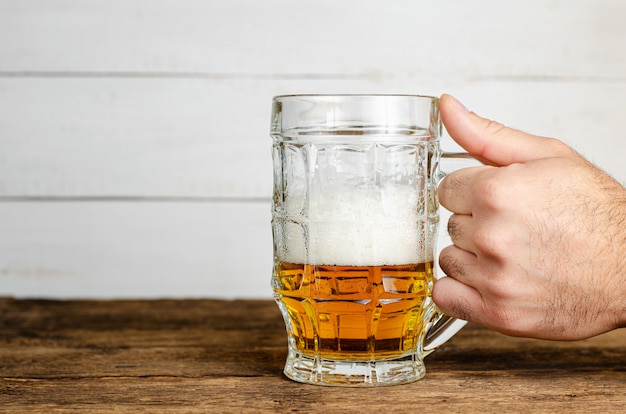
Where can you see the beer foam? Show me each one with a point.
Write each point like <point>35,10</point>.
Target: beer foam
<point>356,227</point>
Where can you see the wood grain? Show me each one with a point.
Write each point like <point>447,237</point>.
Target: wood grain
<point>227,356</point>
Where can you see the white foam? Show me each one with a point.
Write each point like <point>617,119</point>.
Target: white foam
<point>355,227</point>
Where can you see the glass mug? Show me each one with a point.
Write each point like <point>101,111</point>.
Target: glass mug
<point>355,222</point>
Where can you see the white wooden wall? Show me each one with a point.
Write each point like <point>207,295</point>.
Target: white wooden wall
<point>134,146</point>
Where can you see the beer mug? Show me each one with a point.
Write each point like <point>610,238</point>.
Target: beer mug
<point>354,223</point>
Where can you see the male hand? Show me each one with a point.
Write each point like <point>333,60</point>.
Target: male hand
<point>539,235</point>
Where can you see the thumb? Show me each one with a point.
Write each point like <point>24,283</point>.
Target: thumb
<point>493,142</point>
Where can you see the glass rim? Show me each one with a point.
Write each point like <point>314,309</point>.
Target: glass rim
<point>356,117</point>
<point>353,95</point>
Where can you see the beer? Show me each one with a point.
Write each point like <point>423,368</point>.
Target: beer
<point>353,312</point>
<point>353,276</point>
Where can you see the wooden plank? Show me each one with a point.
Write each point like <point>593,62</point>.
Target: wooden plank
<point>130,249</point>
<point>132,100</point>
<point>227,356</point>
<point>453,39</point>
<point>117,137</point>
<point>209,138</point>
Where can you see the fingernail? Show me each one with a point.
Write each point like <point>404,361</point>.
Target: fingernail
<point>458,104</point>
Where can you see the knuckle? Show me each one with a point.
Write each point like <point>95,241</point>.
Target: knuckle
<point>494,128</point>
<point>488,241</point>
<point>456,306</point>
<point>558,148</point>
<point>453,181</point>
<point>454,229</point>
<point>493,193</point>
<point>462,309</point>
<point>450,265</point>
<point>449,187</point>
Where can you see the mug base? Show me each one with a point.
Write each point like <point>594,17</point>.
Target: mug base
<point>329,372</point>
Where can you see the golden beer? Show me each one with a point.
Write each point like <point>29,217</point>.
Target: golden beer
<point>353,312</point>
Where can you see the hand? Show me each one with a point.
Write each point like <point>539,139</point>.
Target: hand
<point>539,235</point>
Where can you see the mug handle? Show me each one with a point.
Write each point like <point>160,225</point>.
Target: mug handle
<point>443,327</point>
<point>440,330</point>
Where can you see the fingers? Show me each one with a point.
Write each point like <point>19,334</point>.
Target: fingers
<point>492,141</point>
<point>461,265</point>
<point>457,299</point>
<point>457,191</point>
<point>460,229</point>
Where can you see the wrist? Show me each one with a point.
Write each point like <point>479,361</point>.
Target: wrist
<point>620,252</point>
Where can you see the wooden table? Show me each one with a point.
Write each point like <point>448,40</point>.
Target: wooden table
<point>205,356</point>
